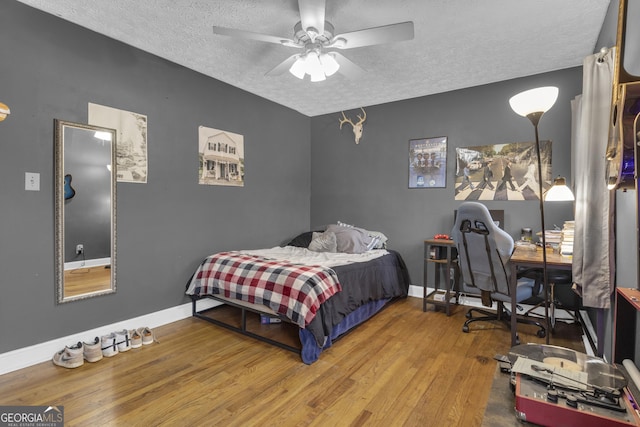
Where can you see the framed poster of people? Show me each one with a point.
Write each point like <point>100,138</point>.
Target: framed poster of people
<point>428,162</point>
<point>502,171</point>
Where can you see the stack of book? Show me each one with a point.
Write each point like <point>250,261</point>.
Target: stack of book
<point>568,231</point>
<point>553,238</point>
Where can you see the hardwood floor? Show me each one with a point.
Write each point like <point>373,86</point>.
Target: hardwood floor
<point>402,367</point>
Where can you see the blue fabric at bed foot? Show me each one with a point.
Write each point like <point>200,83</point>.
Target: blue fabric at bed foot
<point>311,351</point>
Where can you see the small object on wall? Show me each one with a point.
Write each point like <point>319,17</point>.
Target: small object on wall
<point>4,111</point>
<point>357,127</point>
<point>32,181</point>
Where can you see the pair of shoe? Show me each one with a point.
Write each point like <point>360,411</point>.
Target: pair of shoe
<point>146,335</point>
<point>70,357</point>
<point>74,356</point>
<point>125,340</point>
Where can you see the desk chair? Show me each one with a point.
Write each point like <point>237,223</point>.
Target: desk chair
<point>483,255</point>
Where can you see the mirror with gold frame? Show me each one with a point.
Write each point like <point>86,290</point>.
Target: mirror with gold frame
<point>85,210</point>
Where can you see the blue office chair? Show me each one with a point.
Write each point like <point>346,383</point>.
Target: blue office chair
<point>483,255</point>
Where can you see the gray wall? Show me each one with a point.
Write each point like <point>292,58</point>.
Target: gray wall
<point>367,184</point>
<point>53,69</point>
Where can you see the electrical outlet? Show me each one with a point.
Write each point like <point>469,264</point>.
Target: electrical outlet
<point>79,249</point>
<point>32,181</point>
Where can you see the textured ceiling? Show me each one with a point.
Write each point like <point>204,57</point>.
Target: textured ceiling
<point>458,43</point>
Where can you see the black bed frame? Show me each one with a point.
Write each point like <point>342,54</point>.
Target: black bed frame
<point>243,321</point>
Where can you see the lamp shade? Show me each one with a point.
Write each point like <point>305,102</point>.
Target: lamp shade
<point>538,100</point>
<point>298,68</point>
<point>329,64</point>
<point>4,111</point>
<point>559,192</point>
<point>317,65</point>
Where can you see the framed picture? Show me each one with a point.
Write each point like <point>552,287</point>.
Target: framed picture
<point>131,140</point>
<point>428,162</point>
<point>220,157</point>
<point>502,171</point>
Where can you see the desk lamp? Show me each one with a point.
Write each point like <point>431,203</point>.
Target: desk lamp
<point>532,104</point>
<point>559,192</point>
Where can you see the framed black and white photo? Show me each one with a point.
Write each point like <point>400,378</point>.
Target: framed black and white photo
<point>428,162</point>
<point>220,157</point>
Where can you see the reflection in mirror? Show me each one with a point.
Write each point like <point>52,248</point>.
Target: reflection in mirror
<point>85,206</point>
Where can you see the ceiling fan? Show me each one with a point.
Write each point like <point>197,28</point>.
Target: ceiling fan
<point>316,38</point>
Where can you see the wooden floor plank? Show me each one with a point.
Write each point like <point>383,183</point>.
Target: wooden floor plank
<point>402,367</point>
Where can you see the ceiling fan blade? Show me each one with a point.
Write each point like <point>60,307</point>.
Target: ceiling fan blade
<point>312,15</point>
<point>254,36</point>
<point>376,35</point>
<point>283,66</point>
<point>348,68</point>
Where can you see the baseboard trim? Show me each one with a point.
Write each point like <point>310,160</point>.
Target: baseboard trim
<point>38,353</point>
<point>471,301</point>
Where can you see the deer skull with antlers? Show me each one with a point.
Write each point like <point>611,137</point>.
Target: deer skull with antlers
<point>357,127</point>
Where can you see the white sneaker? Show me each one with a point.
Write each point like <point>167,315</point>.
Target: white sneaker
<point>147,335</point>
<point>136,339</point>
<point>109,345</point>
<point>123,340</point>
<point>69,357</point>
<point>92,350</point>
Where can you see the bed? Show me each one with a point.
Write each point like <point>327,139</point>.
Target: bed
<point>325,294</point>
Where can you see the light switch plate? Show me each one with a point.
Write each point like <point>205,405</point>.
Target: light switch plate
<point>32,181</point>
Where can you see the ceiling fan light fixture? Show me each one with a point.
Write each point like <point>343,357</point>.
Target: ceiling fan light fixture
<point>299,68</point>
<point>318,76</point>
<point>329,64</point>
<point>313,63</point>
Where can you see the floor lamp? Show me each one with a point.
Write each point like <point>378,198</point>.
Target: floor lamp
<point>532,104</point>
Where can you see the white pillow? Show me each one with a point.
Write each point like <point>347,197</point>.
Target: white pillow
<point>379,240</point>
<point>350,240</point>
<point>323,242</point>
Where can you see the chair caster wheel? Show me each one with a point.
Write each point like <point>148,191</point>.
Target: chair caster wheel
<point>465,328</point>
<point>541,333</point>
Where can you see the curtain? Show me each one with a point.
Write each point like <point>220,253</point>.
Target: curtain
<point>594,244</point>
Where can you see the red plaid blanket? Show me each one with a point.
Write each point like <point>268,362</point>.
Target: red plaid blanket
<point>293,290</point>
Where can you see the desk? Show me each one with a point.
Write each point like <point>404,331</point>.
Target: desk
<point>525,257</point>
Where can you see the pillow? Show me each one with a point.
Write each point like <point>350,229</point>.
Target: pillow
<point>351,240</point>
<point>379,240</point>
<point>323,242</point>
<point>301,240</point>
